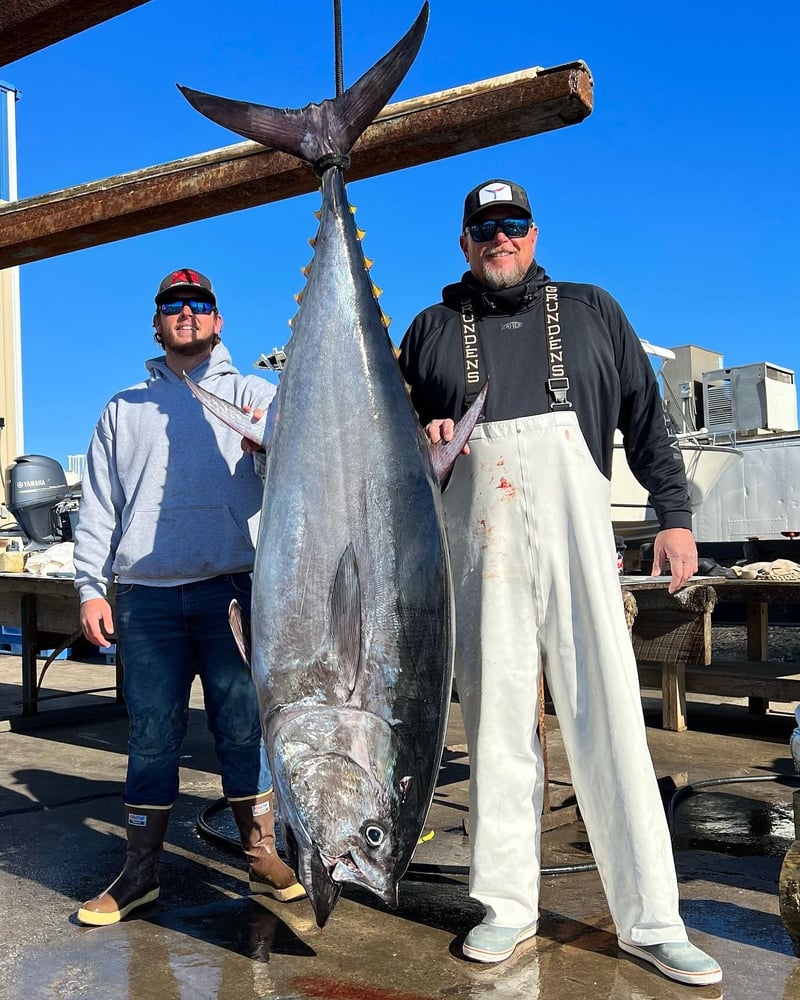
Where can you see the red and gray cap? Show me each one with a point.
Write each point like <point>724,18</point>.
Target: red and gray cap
<point>185,281</point>
<point>495,192</point>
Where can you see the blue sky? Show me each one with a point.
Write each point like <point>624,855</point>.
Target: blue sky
<point>679,193</point>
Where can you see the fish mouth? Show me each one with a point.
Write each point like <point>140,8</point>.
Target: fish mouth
<point>346,868</point>
<point>328,873</point>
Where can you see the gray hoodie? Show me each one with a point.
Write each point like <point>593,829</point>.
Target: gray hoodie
<point>168,495</point>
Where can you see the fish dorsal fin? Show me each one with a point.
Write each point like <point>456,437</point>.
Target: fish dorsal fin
<point>345,627</point>
<point>318,131</point>
<point>444,455</point>
<point>240,626</point>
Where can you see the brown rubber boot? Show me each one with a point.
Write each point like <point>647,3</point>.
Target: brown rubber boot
<point>137,885</point>
<point>255,819</point>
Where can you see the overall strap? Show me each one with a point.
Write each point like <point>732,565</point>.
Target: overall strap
<point>557,383</point>
<point>473,381</point>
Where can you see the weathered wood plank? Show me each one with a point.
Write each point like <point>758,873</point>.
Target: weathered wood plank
<point>247,174</point>
<point>27,26</point>
<point>732,679</point>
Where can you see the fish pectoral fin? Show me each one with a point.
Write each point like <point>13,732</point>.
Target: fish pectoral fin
<point>444,455</point>
<point>253,430</point>
<point>345,628</point>
<point>240,626</point>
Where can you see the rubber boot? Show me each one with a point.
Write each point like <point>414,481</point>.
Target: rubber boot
<point>137,885</point>
<point>255,819</point>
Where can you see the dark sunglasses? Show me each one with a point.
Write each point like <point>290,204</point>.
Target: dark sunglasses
<point>196,305</point>
<point>515,229</point>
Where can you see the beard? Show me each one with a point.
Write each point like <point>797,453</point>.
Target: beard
<point>188,348</point>
<point>497,278</point>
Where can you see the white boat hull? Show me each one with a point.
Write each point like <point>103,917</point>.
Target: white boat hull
<point>631,513</point>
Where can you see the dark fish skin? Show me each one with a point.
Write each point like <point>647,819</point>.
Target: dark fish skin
<point>352,621</point>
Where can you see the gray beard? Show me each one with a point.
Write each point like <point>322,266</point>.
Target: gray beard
<point>494,280</point>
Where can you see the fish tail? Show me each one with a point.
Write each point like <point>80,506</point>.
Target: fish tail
<point>321,134</point>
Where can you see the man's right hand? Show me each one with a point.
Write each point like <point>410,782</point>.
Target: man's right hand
<point>442,430</point>
<point>97,622</point>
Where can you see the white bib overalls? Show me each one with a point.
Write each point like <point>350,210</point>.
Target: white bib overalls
<point>534,572</point>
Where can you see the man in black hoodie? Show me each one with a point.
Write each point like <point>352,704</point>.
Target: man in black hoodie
<point>534,569</point>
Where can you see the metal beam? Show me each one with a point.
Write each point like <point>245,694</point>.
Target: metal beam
<point>29,25</point>
<point>247,174</point>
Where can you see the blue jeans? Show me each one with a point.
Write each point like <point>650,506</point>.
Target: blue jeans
<point>167,636</point>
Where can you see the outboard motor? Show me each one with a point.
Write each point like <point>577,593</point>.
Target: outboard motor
<point>38,496</point>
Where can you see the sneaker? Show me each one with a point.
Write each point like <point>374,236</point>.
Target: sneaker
<point>794,747</point>
<point>492,943</point>
<point>678,960</point>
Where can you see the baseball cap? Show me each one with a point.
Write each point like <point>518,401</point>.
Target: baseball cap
<point>185,281</point>
<point>495,192</point>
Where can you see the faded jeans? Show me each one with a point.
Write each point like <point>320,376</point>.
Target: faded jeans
<point>167,636</point>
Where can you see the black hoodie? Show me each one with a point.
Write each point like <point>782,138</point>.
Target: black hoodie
<point>611,382</point>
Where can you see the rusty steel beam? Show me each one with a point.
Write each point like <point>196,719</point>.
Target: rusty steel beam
<point>247,174</point>
<point>29,25</point>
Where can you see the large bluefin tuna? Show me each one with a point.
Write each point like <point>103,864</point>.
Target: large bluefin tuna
<point>351,633</point>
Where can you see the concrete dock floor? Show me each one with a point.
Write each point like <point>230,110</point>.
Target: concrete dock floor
<point>207,939</point>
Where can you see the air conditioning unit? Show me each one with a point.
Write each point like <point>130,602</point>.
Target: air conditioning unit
<point>750,398</point>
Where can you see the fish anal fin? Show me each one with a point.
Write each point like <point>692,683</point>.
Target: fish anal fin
<point>240,626</point>
<point>345,626</point>
<point>444,455</point>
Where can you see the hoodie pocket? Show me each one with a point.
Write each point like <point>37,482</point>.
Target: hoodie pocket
<point>182,544</point>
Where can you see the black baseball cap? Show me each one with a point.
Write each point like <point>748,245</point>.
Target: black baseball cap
<point>185,281</point>
<point>495,192</point>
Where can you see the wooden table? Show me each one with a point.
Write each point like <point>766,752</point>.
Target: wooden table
<point>672,640</point>
<point>47,611</point>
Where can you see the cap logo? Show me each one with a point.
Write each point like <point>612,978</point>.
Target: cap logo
<point>495,192</point>
<point>184,277</point>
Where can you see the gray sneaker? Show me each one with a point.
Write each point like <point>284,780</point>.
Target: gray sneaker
<point>493,943</point>
<point>678,960</point>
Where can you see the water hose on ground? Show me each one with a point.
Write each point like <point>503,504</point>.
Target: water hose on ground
<point>206,830</point>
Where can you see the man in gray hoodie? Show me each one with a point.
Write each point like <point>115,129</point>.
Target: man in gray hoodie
<point>169,510</point>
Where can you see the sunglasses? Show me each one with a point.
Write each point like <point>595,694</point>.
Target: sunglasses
<point>198,306</point>
<point>515,229</point>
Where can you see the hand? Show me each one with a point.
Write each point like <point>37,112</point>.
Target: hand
<point>97,621</point>
<point>442,430</point>
<point>676,545</point>
<point>248,445</point>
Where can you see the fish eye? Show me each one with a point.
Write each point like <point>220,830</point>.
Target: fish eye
<point>373,834</point>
